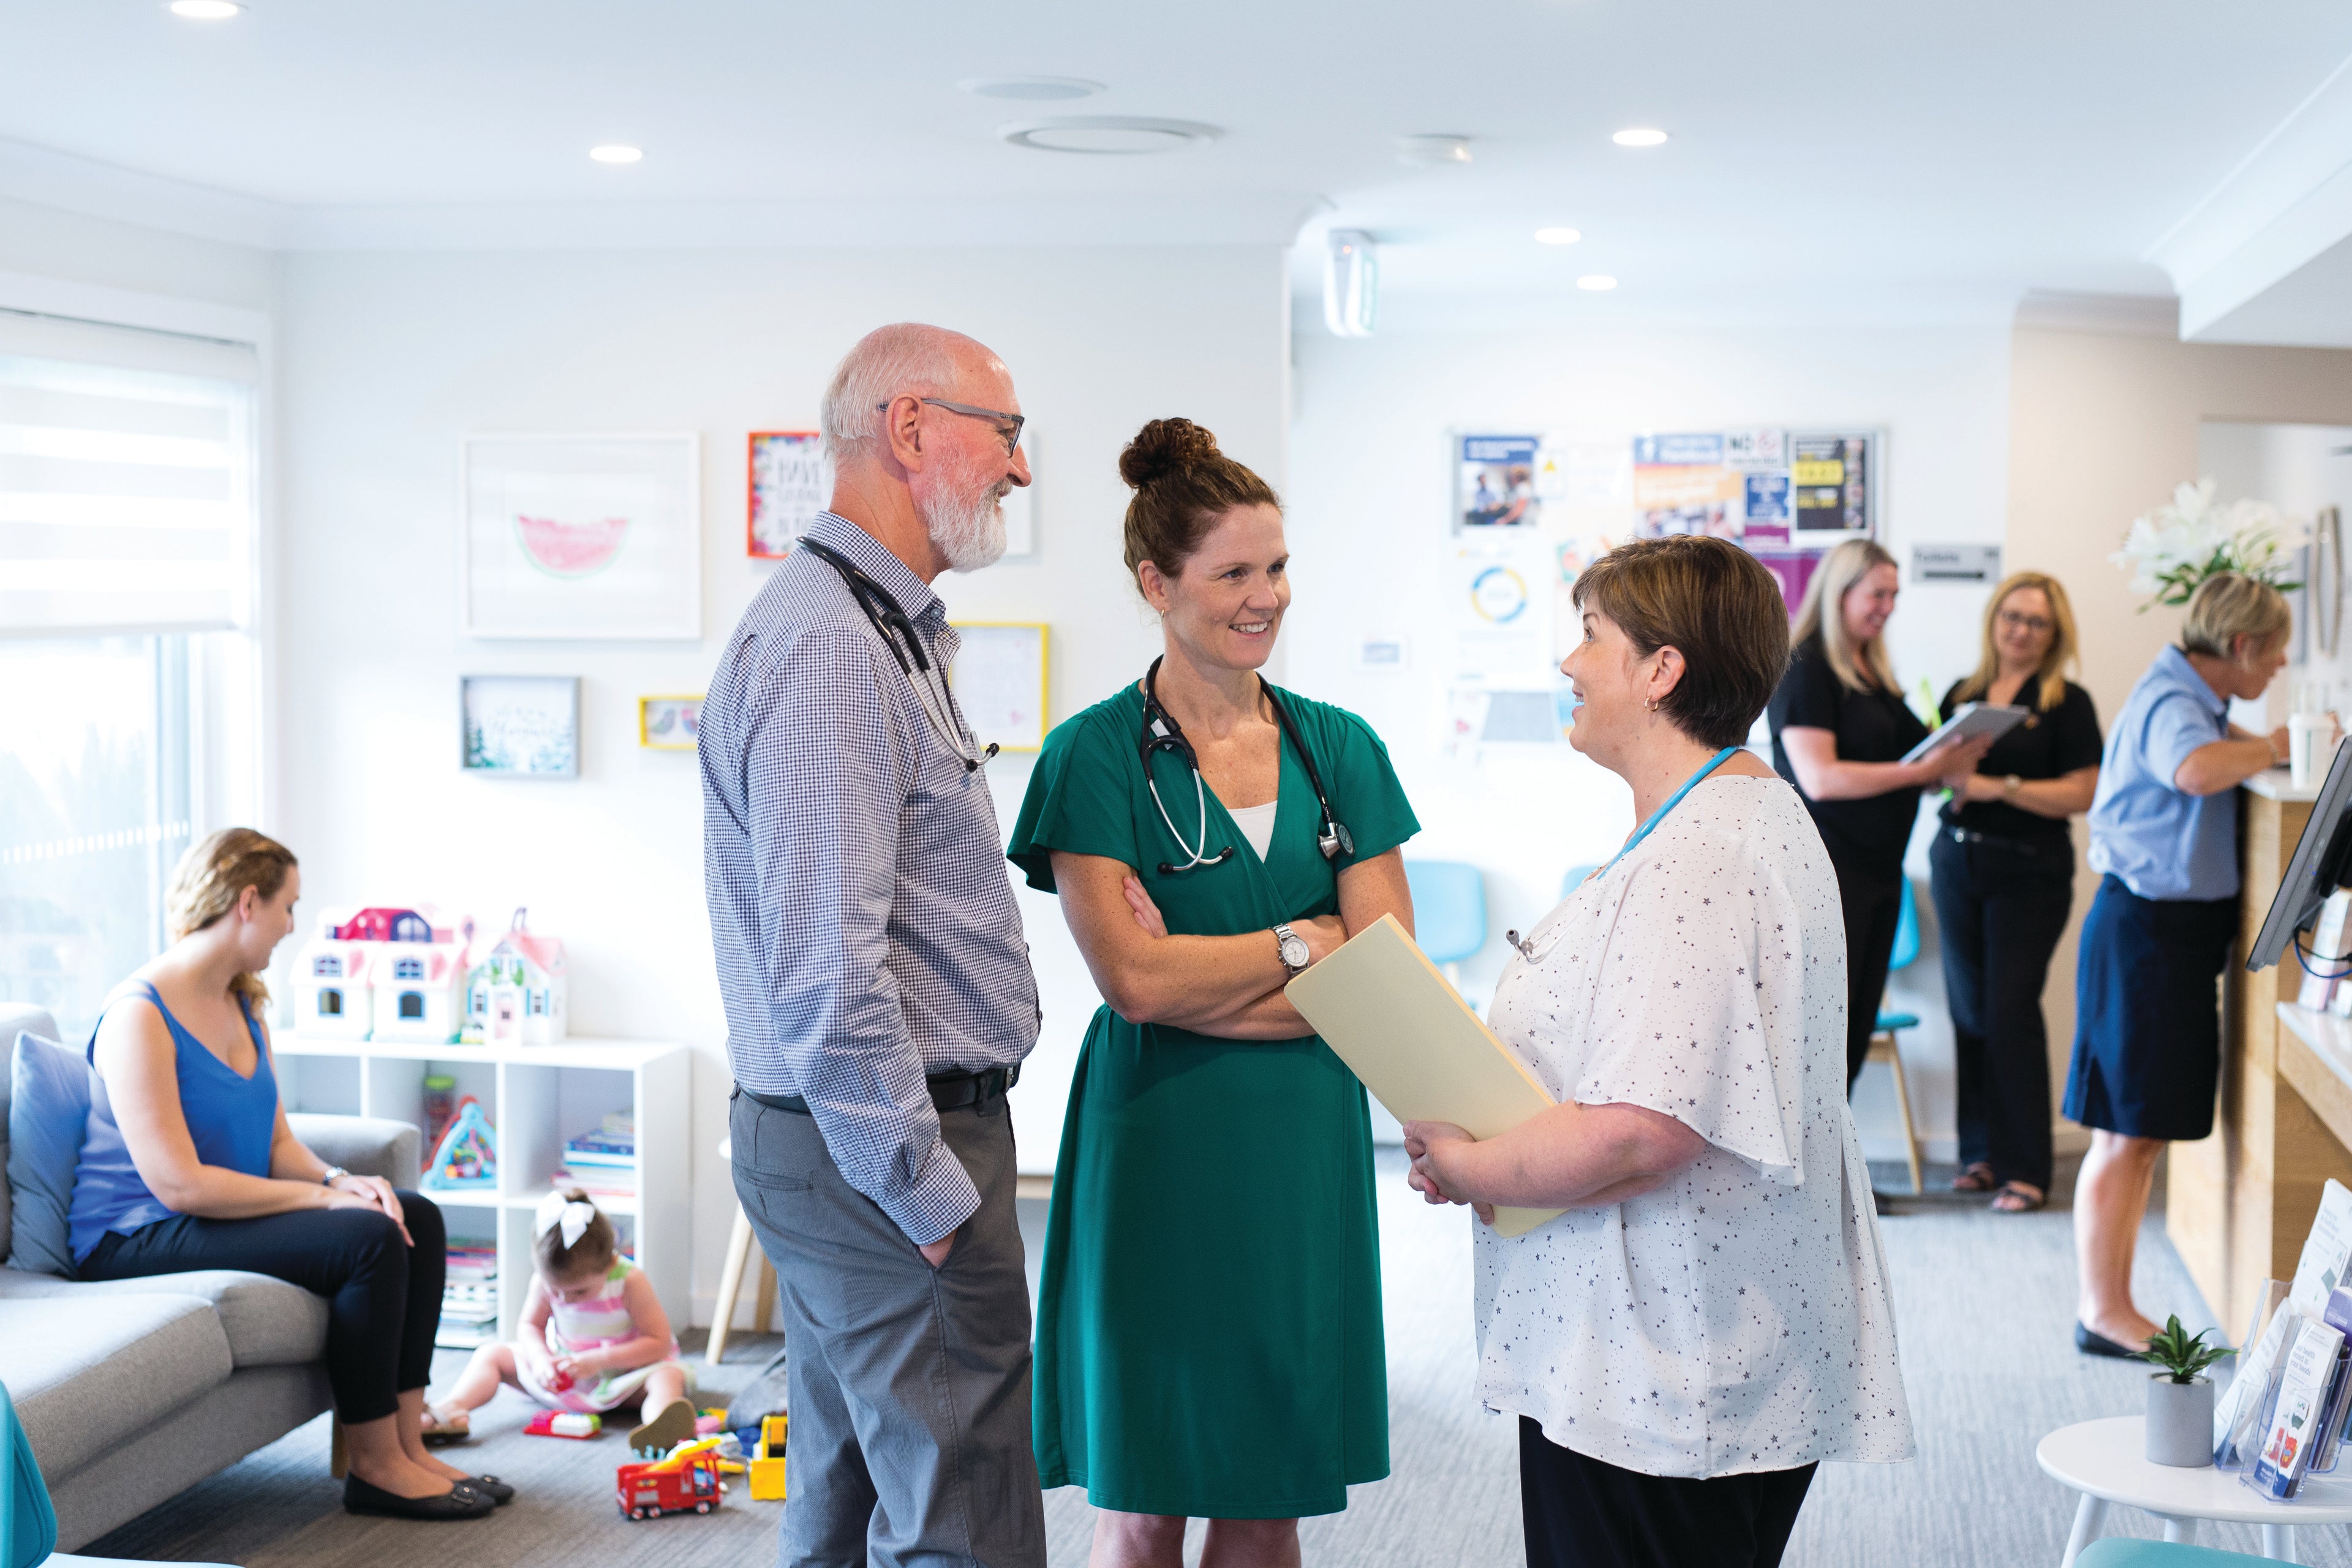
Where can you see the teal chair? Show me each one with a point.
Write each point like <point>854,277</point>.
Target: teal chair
<point>29,1525</point>
<point>1449,911</point>
<point>2120,1552</point>
<point>1883,1046</point>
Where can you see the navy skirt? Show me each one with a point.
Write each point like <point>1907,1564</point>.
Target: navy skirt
<point>2148,1016</point>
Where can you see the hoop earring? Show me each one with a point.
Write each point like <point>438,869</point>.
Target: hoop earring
<point>1653,705</point>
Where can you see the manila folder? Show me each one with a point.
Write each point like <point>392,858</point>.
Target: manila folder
<point>1384,1007</point>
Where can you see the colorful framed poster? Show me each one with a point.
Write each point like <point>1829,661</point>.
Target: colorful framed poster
<point>670,723</point>
<point>1768,490</point>
<point>523,726</point>
<point>1836,490</point>
<point>789,482</point>
<point>999,677</point>
<point>1494,482</point>
<point>581,536</point>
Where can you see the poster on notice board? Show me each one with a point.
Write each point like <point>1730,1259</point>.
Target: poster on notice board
<point>1786,496</point>
<point>1494,482</point>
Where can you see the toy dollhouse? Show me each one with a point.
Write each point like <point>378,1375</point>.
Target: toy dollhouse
<point>514,992</point>
<point>385,973</point>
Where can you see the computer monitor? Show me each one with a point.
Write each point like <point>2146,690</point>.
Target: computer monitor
<point>2322,862</point>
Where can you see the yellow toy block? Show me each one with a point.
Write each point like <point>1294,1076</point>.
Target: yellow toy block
<point>768,1479</point>
<point>773,1429</point>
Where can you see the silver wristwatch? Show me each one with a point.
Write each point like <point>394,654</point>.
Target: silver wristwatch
<point>334,1174</point>
<point>1293,948</point>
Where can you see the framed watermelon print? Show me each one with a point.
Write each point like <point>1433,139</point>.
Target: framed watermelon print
<point>589,538</point>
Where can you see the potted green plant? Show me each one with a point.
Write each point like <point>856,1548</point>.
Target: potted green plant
<point>2180,1397</point>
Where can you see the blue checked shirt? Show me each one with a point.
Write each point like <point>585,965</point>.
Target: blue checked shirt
<point>861,907</point>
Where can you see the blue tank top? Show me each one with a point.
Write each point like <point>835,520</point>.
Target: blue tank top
<point>231,1119</point>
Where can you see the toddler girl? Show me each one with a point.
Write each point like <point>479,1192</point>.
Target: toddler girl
<point>594,1336</point>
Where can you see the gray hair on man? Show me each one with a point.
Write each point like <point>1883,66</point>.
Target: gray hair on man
<point>903,357</point>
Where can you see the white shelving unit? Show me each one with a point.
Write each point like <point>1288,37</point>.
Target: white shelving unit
<point>536,1096</point>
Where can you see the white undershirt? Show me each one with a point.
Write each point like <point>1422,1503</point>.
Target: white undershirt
<point>1256,823</point>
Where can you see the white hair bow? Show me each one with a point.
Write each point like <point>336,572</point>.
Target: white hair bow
<point>575,1215</point>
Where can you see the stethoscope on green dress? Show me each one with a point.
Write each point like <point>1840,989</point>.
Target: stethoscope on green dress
<point>1162,734</point>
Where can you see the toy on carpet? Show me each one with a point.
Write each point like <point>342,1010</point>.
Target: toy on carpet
<point>689,1479</point>
<point>467,1159</point>
<point>767,1458</point>
<point>564,1424</point>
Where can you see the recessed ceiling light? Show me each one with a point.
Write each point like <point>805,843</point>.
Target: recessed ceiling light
<point>1640,136</point>
<point>1596,283</point>
<point>206,10</point>
<point>1031,89</point>
<point>1557,237</point>
<point>1113,134</point>
<point>1429,151</point>
<point>617,152</point>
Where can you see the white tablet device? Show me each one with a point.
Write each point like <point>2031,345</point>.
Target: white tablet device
<point>1969,721</point>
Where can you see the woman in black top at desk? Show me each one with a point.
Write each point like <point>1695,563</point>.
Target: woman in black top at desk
<point>1840,729</point>
<point>2005,883</point>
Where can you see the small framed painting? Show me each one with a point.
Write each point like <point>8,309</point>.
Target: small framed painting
<point>789,482</point>
<point>583,536</point>
<point>999,678</point>
<point>670,723</point>
<point>524,726</point>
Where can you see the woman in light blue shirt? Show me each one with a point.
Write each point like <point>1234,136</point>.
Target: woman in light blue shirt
<point>2164,839</point>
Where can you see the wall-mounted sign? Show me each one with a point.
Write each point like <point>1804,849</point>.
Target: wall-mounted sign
<point>1956,564</point>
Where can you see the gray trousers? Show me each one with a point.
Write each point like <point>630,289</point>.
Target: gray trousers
<point>909,1385</point>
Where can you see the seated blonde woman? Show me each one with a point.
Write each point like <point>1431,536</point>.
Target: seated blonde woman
<point>1709,1320</point>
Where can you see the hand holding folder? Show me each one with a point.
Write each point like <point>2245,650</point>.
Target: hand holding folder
<point>1384,1009</point>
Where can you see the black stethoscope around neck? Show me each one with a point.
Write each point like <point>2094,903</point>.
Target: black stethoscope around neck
<point>1162,734</point>
<point>898,634</point>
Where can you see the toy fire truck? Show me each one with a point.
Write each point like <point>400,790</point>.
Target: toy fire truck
<point>689,1479</point>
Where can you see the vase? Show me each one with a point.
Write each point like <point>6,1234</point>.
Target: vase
<point>2179,1422</point>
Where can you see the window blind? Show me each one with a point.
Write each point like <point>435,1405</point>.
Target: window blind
<point>127,468</point>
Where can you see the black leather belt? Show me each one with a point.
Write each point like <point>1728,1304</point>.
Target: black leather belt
<point>1971,836</point>
<point>950,1090</point>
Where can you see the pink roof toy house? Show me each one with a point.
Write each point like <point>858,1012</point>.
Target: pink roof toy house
<point>385,972</point>
<point>514,990</point>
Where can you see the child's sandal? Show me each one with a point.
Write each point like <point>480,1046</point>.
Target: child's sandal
<point>444,1426</point>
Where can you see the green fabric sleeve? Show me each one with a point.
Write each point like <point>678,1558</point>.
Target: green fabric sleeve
<point>1365,793</point>
<point>1079,799</point>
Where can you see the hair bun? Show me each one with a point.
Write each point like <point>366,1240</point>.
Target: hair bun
<point>1164,447</point>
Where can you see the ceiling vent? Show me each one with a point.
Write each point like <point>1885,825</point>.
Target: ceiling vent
<point>1112,135</point>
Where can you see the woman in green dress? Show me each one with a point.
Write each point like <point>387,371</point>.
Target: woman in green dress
<point>1209,1325</point>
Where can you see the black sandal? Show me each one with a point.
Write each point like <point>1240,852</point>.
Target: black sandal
<point>1977,1178</point>
<point>2017,1197</point>
<point>460,1501</point>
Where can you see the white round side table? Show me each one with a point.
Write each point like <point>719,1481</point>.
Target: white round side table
<point>2102,1460</point>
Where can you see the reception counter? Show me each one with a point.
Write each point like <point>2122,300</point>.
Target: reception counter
<point>2239,1203</point>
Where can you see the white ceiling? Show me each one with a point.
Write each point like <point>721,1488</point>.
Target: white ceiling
<point>1829,156</point>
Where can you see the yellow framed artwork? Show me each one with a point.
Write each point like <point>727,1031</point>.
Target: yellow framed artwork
<point>999,681</point>
<point>670,723</point>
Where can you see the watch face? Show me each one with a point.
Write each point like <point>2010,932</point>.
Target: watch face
<point>1294,951</point>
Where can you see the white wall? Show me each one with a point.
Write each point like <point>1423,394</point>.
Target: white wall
<point>1370,500</point>
<point>66,245</point>
<point>388,360</point>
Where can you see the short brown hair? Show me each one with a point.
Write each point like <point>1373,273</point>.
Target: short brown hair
<point>1183,485</point>
<point>1714,603</point>
<point>593,1254</point>
<point>2229,605</point>
<point>213,875</point>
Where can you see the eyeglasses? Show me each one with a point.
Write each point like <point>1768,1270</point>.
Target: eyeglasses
<point>2013,622</point>
<point>1010,430</point>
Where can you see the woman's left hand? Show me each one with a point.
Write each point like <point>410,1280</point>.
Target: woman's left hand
<point>378,1192</point>
<point>1146,913</point>
<point>1432,1144</point>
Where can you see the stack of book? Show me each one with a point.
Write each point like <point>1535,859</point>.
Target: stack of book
<point>469,1300</point>
<point>602,1161</point>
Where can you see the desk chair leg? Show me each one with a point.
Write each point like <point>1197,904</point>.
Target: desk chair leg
<point>2179,1531</point>
<point>338,1450</point>
<point>2278,1542</point>
<point>731,1285</point>
<point>2089,1514</point>
<point>1903,1103</point>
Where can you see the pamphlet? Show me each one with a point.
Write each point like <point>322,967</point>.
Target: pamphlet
<point>2331,1424</point>
<point>2294,1428</point>
<point>2326,1251</point>
<point>2237,1415</point>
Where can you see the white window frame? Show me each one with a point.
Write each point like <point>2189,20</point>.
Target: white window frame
<point>234,709</point>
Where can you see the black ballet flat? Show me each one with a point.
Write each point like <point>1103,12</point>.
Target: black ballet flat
<point>460,1501</point>
<point>490,1486</point>
<point>2091,1343</point>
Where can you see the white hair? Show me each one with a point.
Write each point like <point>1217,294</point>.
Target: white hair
<point>906,356</point>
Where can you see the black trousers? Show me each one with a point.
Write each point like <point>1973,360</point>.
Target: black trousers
<point>2000,908</point>
<point>1582,1513</point>
<point>383,1300</point>
<point>1872,894</point>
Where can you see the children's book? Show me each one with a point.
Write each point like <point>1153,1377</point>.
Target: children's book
<point>2294,1430</point>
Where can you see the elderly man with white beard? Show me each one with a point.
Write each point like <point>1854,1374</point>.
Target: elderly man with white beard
<point>877,988</point>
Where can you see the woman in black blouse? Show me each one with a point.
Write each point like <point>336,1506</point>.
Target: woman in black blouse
<point>1840,729</point>
<point>2005,883</point>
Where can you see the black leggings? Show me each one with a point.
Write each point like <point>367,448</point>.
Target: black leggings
<point>380,1293</point>
<point>1582,1513</point>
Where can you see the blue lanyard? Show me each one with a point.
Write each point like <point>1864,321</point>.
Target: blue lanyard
<point>1672,800</point>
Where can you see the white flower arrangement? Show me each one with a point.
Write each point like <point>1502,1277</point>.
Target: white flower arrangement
<point>2174,548</point>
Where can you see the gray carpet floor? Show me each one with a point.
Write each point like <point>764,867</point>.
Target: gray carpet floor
<point>1984,1301</point>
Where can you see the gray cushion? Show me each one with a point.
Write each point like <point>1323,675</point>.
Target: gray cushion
<point>16,1019</point>
<point>86,1372</point>
<point>49,1111</point>
<point>268,1322</point>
